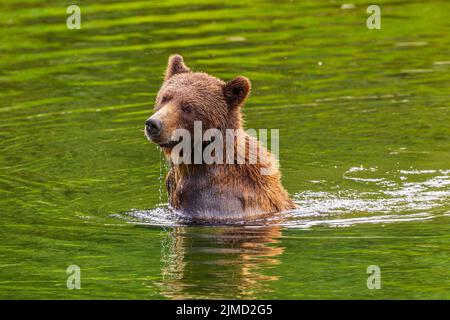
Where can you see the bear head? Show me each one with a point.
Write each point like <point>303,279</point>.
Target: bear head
<point>186,96</point>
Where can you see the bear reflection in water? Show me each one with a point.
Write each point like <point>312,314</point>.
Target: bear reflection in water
<point>219,262</point>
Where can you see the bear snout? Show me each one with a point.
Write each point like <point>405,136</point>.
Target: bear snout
<point>153,127</point>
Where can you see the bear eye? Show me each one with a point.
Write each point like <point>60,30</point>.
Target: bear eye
<point>186,108</point>
<point>165,99</point>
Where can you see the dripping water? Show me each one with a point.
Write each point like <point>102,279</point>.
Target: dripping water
<point>161,179</point>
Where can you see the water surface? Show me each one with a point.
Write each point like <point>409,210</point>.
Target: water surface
<point>364,149</point>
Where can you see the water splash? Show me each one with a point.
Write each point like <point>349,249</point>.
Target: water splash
<point>400,196</point>
<point>162,216</point>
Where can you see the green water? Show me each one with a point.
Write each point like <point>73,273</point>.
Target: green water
<point>364,119</point>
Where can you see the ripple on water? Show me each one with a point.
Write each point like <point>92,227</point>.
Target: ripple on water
<point>397,200</point>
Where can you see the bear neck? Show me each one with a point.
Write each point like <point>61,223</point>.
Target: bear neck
<point>185,170</point>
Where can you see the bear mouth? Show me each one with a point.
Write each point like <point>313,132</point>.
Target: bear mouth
<point>173,143</point>
<point>168,145</point>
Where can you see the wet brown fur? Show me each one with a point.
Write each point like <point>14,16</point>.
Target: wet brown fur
<point>215,192</point>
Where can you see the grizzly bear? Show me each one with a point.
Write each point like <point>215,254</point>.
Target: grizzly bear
<point>219,191</point>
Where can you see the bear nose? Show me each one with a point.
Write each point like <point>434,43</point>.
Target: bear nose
<point>153,126</point>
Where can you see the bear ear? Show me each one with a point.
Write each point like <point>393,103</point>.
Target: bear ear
<point>175,66</point>
<point>236,91</point>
